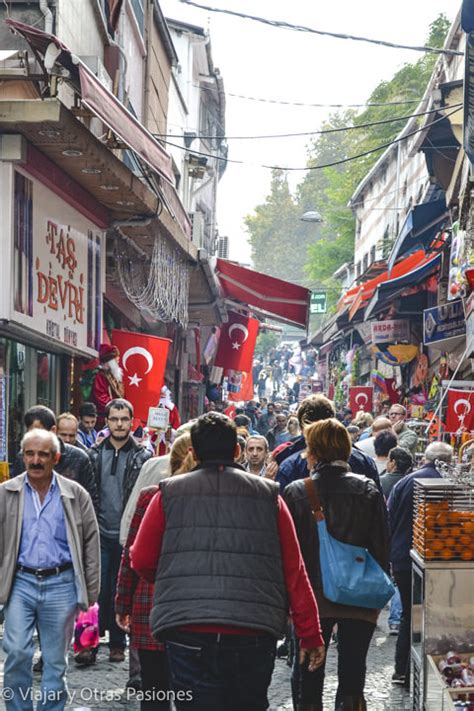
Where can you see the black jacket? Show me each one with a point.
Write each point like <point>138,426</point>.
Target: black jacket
<point>137,456</point>
<point>400,510</point>
<point>74,464</point>
<point>355,513</point>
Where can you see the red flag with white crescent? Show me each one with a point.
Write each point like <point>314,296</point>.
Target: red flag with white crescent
<point>460,412</point>
<point>237,343</point>
<point>361,399</point>
<point>246,392</point>
<point>143,360</point>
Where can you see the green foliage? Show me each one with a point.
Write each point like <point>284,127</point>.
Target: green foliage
<point>275,227</point>
<point>266,340</point>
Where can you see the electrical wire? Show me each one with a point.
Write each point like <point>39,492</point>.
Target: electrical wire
<point>311,167</point>
<point>307,133</point>
<point>281,24</point>
<point>318,106</point>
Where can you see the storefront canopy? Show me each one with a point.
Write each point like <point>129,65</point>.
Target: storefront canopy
<point>96,97</point>
<point>276,298</point>
<point>419,229</point>
<point>388,290</point>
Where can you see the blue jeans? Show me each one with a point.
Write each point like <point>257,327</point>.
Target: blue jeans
<point>50,604</point>
<point>110,556</point>
<point>395,609</point>
<point>220,672</point>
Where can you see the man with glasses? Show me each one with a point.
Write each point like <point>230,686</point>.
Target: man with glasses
<point>406,437</point>
<point>116,461</point>
<point>49,565</point>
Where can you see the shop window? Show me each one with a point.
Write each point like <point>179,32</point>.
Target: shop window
<point>23,245</point>
<point>46,382</point>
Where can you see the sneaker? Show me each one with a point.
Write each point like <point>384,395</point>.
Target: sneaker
<point>394,629</point>
<point>398,679</point>
<point>282,650</point>
<point>86,657</point>
<point>116,655</point>
<point>38,666</point>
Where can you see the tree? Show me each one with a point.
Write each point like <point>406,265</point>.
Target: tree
<point>266,341</point>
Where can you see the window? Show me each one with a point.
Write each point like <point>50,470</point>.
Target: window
<point>365,262</point>
<point>358,229</point>
<point>372,254</point>
<point>358,268</point>
<point>137,6</point>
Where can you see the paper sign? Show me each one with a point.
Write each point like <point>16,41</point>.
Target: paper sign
<point>158,418</point>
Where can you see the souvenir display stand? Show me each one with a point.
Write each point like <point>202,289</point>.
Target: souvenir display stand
<point>442,588</point>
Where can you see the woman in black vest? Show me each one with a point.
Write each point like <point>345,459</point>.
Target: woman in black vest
<point>354,511</point>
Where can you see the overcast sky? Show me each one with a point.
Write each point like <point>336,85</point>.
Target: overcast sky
<point>260,61</point>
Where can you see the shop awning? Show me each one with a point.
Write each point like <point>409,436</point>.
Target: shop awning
<point>391,288</point>
<point>96,97</point>
<point>419,229</point>
<point>275,298</point>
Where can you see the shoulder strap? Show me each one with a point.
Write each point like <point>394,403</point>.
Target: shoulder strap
<point>314,500</point>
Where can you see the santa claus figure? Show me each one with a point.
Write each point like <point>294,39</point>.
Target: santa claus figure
<point>162,441</point>
<point>108,383</point>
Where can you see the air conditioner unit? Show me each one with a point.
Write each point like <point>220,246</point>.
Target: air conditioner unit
<point>97,67</point>
<point>197,220</point>
<point>223,248</point>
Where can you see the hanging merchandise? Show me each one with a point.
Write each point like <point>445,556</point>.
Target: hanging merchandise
<point>457,264</point>
<point>245,391</point>
<point>395,354</point>
<point>460,411</point>
<point>159,285</point>
<point>361,399</point>
<point>237,343</point>
<point>355,372</point>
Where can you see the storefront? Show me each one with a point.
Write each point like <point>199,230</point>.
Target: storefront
<point>50,299</point>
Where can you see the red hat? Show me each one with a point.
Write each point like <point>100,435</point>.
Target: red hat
<point>108,352</point>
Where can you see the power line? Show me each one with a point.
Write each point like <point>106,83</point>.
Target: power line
<point>318,106</point>
<point>310,167</point>
<point>307,133</point>
<point>281,24</point>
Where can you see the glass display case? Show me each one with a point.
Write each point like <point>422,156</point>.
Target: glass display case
<point>442,620</point>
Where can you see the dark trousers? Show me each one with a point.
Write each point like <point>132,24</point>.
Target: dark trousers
<point>110,555</point>
<point>353,640</point>
<point>220,672</point>
<point>155,680</point>
<point>402,651</point>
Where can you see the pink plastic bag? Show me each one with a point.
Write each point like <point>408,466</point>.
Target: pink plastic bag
<point>86,629</point>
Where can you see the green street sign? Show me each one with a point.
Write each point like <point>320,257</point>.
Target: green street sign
<point>318,303</point>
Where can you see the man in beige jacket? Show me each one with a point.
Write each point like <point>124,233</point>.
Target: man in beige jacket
<point>49,567</point>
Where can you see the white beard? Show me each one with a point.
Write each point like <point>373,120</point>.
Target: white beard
<point>116,370</point>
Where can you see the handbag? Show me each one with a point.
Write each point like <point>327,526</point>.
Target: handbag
<point>350,574</point>
<point>86,629</point>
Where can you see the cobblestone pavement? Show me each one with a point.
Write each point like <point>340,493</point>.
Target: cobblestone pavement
<point>101,687</point>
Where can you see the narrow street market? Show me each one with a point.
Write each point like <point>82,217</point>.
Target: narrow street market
<point>236,356</point>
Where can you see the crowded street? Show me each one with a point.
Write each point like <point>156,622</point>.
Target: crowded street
<point>236,356</point>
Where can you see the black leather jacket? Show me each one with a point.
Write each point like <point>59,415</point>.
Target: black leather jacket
<point>137,456</point>
<point>354,511</point>
<point>74,464</point>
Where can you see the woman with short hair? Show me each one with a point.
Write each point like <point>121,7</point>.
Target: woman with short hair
<point>353,509</point>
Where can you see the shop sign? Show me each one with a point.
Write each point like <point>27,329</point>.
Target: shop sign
<point>443,322</point>
<point>390,331</point>
<point>57,279</point>
<point>318,302</point>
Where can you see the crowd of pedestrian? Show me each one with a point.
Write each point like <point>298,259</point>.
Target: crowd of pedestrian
<point>199,556</point>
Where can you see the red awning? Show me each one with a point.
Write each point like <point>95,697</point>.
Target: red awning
<point>101,101</point>
<point>279,299</point>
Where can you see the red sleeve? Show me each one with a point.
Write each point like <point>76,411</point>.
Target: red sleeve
<point>127,578</point>
<point>303,606</point>
<point>100,392</point>
<point>145,552</point>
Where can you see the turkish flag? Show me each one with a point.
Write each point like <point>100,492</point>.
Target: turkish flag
<point>392,390</point>
<point>361,399</point>
<point>246,392</point>
<point>460,412</point>
<point>237,343</point>
<point>143,359</point>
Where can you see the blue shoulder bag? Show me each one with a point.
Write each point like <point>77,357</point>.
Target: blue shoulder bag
<point>350,574</point>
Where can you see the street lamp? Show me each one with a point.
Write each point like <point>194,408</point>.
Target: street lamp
<point>312,216</point>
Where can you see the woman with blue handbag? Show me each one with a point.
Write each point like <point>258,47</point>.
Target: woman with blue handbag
<point>340,521</point>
